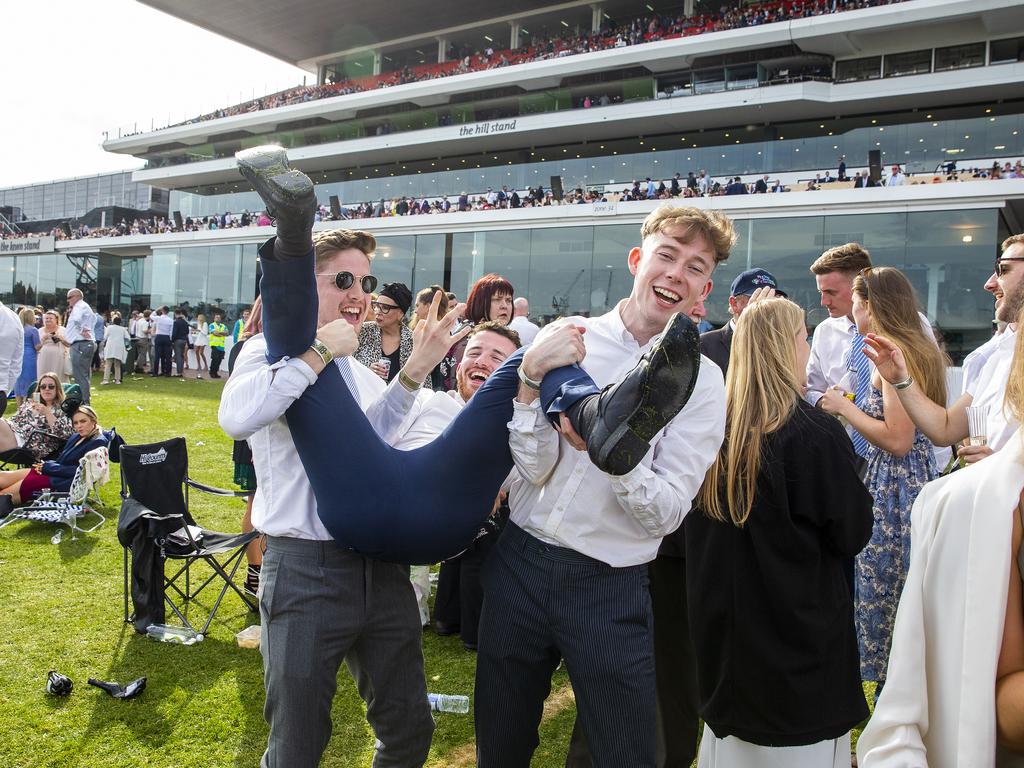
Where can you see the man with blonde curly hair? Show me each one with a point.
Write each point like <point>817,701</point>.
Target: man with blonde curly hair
<point>569,578</point>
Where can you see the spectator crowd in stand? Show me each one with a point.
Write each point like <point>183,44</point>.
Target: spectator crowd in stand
<point>694,184</point>
<point>643,29</point>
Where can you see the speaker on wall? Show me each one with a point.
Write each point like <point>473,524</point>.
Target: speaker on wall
<point>556,187</point>
<point>177,220</point>
<point>875,165</point>
<point>335,207</point>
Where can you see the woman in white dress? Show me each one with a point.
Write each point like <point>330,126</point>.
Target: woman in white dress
<point>954,694</point>
<point>115,350</point>
<point>201,342</point>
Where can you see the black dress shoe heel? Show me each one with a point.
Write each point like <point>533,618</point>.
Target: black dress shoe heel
<point>619,423</point>
<point>288,195</point>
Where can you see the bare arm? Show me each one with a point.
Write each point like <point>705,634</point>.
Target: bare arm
<point>1010,670</point>
<point>894,434</point>
<point>940,425</point>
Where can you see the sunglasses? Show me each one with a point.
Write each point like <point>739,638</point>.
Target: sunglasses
<point>382,309</point>
<point>47,386</point>
<point>1000,269</point>
<point>345,280</point>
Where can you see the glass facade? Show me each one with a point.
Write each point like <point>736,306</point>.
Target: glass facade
<point>562,270</point>
<point>76,197</point>
<point>198,278</point>
<point>920,142</point>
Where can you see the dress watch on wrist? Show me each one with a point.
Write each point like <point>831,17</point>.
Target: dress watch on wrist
<point>321,349</point>
<point>534,385</point>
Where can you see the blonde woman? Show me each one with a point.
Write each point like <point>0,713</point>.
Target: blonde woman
<point>777,521</point>
<point>202,341</point>
<point>22,485</point>
<point>53,351</point>
<point>955,690</point>
<point>899,458</point>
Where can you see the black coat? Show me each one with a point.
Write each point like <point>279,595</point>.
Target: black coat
<point>717,345</point>
<point>770,607</point>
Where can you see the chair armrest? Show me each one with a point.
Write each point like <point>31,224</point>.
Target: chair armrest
<point>216,491</point>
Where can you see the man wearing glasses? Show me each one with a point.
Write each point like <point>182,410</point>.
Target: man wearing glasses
<point>986,370</point>
<point>320,603</point>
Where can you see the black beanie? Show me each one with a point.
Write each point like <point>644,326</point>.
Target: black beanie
<point>398,293</point>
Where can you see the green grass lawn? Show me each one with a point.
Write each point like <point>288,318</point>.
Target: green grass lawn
<point>61,608</point>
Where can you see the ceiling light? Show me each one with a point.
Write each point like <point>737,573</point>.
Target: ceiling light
<point>488,38</point>
<point>565,25</point>
<point>967,238</point>
<point>988,110</point>
<point>1000,146</point>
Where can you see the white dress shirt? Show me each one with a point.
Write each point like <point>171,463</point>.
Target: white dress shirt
<point>527,331</point>
<point>988,391</point>
<point>164,325</point>
<point>12,347</point>
<point>975,363</point>
<point>563,499</point>
<point>81,321</point>
<point>252,408</point>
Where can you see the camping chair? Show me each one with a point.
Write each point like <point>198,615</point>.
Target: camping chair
<point>66,507</point>
<point>156,525</point>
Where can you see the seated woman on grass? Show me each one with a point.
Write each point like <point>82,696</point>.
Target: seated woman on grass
<point>22,485</point>
<point>39,425</point>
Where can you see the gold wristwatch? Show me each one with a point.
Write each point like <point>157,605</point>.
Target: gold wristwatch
<point>321,349</point>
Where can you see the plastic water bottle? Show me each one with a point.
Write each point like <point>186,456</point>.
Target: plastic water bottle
<point>167,634</point>
<point>441,702</point>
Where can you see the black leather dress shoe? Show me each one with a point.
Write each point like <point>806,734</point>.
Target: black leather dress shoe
<point>619,423</point>
<point>287,193</point>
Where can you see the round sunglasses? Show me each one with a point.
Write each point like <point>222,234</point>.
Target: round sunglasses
<point>345,280</point>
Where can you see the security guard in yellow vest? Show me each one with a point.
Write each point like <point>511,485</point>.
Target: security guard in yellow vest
<point>218,332</point>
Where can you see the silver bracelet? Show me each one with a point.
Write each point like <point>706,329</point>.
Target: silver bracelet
<point>534,385</point>
<point>904,384</point>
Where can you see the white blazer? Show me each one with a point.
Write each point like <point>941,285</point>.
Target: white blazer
<point>938,705</point>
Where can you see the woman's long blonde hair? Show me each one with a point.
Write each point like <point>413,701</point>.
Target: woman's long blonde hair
<point>1014,398</point>
<point>761,390</point>
<point>893,306</point>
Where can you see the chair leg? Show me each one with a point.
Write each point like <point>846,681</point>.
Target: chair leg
<point>124,551</point>
<point>228,582</point>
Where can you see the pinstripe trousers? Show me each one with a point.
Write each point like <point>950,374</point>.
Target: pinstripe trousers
<point>543,603</point>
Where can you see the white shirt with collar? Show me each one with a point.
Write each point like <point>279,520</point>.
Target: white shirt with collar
<point>527,331</point>
<point>81,321</point>
<point>164,325</point>
<point>975,363</point>
<point>988,391</point>
<point>563,499</point>
<point>252,408</point>
<point>12,347</point>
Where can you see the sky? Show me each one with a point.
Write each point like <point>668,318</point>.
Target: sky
<point>72,70</point>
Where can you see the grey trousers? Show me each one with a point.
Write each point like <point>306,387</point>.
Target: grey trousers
<point>321,604</point>
<point>81,365</point>
<point>180,350</point>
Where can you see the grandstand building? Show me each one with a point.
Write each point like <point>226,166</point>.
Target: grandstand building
<point>583,100</point>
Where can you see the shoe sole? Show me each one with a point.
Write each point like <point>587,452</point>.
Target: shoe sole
<point>632,438</point>
<point>265,167</point>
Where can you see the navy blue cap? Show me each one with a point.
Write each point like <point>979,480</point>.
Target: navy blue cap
<point>749,281</point>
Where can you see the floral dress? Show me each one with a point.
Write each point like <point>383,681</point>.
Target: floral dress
<point>35,434</point>
<point>881,567</point>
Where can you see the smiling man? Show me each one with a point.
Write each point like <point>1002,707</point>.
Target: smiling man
<point>568,579</point>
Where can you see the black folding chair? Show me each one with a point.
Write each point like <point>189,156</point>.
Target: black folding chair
<point>156,525</point>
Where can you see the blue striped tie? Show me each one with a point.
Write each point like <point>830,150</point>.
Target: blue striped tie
<point>857,362</point>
